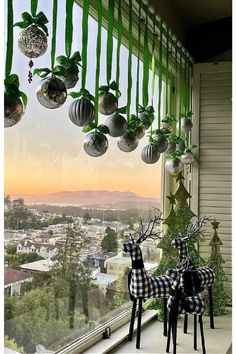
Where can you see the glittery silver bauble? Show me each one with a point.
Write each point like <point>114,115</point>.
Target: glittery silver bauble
<point>95,144</point>
<point>186,125</point>
<point>140,132</point>
<point>150,154</point>
<point>51,92</point>
<point>187,157</point>
<point>81,112</point>
<point>171,148</point>
<point>107,103</point>
<point>116,124</point>
<point>70,80</point>
<point>146,120</point>
<point>174,166</point>
<point>162,142</point>
<point>127,142</point>
<point>13,111</point>
<point>32,42</point>
<point>180,146</point>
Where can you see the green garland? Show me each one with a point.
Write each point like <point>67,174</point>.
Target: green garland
<point>129,87</point>
<point>84,42</point>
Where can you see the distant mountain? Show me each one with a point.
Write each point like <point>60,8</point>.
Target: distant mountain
<point>94,199</point>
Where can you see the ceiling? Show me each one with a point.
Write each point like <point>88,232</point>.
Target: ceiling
<point>203,26</point>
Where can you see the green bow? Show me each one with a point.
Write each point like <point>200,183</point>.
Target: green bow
<point>44,72</point>
<point>105,89</point>
<point>101,128</point>
<point>169,119</point>
<point>82,93</point>
<point>162,131</point>
<point>70,64</point>
<point>186,115</point>
<point>12,85</point>
<point>134,123</point>
<point>39,20</point>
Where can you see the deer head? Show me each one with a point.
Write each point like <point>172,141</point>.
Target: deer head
<point>133,246</point>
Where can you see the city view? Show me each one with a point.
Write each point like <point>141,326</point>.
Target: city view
<point>64,265</point>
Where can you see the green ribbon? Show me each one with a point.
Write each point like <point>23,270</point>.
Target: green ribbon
<point>119,38</point>
<point>10,39</point>
<point>54,31</point>
<point>98,57</point>
<point>145,63</point>
<point>129,88</point>
<point>84,42</point>
<point>167,75</point>
<point>160,77</point>
<point>69,27</point>
<point>180,92</point>
<point>12,84</point>
<point>110,26</point>
<point>153,58</point>
<point>138,59</point>
<point>176,82</point>
<point>39,20</point>
<point>34,5</point>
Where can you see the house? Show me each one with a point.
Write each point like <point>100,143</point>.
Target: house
<point>45,250</point>
<point>13,280</point>
<point>43,265</point>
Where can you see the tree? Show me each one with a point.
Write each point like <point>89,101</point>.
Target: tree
<point>71,271</point>
<point>109,242</point>
<point>11,248</point>
<point>216,261</point>
<point>21,258</point>
<point>118,298</point>
<point>86,218</point>
<point>7,200</point>
<point>11,344</point>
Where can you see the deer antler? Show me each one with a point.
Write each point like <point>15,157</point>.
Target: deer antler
<point>149,232</point>
<point>195,228</point>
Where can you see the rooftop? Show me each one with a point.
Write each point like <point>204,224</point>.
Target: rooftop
<point>12,275</point>
<point>40,266</point>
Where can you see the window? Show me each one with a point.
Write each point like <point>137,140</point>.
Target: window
<point>104,196</point>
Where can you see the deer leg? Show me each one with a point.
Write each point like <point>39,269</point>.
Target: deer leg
<point>211,313</point>
<point>202,335</point>
<point>174,335</point>
<point>139,324</point>
<point>131,326</point>
<point>186,323</point>
<point>195,333</point>
<point>165,318</point>
<point>168,337</point>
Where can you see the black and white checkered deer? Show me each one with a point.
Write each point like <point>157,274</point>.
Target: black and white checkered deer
<point>141,285</point>
<point>204,276</point>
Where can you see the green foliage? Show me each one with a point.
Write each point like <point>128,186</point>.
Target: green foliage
<point>39,20</point>
<point>21,258</point>
<point>11,249</point>
<point>118,298</point>
<point>86,218</point>
<point>12,85</point>
<point>11,344</point>
<point>109,242</point>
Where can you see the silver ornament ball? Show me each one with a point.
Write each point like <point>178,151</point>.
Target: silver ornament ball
<point>32,42</point>
<point>107,104</point>
<point>127,142</point>
<point>150,154</point>
<point>162,142</point>
<point>174,166</point>
<point>140,132</point>
<point>13,111</point>
<point>95,144</point>
<point>51,92</point>
<point>187,157</point>
<point>81,112</point>
<point>116,124</point>
<point>186,125</point>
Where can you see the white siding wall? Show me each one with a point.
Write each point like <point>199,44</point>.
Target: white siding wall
<point>212,133</point>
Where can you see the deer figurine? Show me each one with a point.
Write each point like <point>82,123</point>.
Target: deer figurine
<point>141,285</point>
<point>204,276</point>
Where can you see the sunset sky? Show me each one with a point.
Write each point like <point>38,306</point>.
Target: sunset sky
<point>44,152</point>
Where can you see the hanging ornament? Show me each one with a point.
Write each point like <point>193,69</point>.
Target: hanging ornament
<point>71,66</point>
<point>180,145</point>
<point>95,144</point>
<point>32,40</point>
<point>150,154</point>
<point>168,122</point>
<point>128,142</point>
<point>107,102</point>
<point>116,124</point>
<point>81,112</point>
<point>15,101</point>
<point>51,92</point>
<point>172,143</point>
<point>186,124</point>
<point>146,115</point>
<point>161,140</point>
<point>174,165</point>
<point>140,131</point>
<point>187,157</point>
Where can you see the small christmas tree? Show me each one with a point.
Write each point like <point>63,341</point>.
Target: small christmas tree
<point>216,261</point>
<point>184,215</point>
<point>169,257</point>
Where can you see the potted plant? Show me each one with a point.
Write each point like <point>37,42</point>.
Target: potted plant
<point>188,156</point>
<point>71,66</point>
<point>15,101</point>
<point>186,124</point>
<point>173,163</point>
